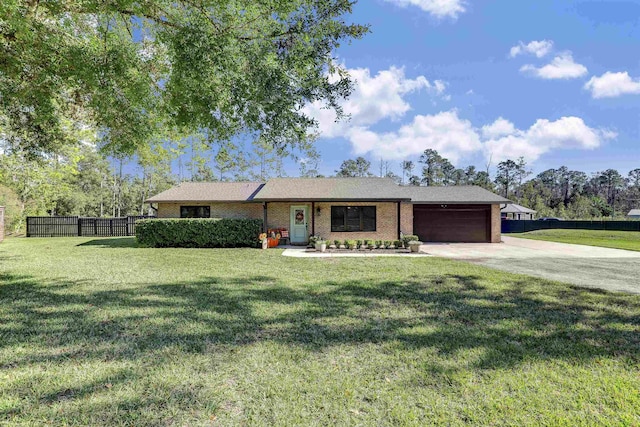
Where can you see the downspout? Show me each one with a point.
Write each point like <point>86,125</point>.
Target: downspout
<point>398,208</point>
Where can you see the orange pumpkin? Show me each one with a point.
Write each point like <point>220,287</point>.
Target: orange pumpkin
<point>272,243</point>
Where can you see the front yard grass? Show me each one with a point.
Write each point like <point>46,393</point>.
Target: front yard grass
<point>629,240</point>
<point>101,332</point>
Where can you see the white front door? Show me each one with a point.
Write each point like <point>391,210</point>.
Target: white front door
<point>299,224</point>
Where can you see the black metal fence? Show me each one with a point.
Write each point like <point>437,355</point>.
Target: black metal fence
<point>522,226</point>
<point>71,226</point>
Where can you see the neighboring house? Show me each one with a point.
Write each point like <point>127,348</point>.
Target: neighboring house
<point>634,214</point>
<point>513,211</point>
<point>343,208</point>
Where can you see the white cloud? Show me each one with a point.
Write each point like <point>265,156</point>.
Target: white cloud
<point>454,138</point>
<point>611,85</point>
<point>500,127</point>
<point>382,97</point>
<point>542,137</point>
<point>538,48</point>
<point>374,98</point>
<point>561,67</point>
<point>445,132</point>
<point>437,8</point>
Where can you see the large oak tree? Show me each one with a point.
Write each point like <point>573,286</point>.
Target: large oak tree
<point>133,69</point>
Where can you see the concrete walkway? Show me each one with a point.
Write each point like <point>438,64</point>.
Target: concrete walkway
<point>587,266</point>
<point>298,252</point>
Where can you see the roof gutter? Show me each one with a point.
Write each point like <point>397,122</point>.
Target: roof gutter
<point>307,199</point>
<point>202,201</point>
<point>449,202</point>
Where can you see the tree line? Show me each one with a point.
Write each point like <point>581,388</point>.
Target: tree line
<point>560,192</point>
<point>84,181</point>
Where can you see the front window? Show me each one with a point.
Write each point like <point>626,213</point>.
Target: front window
<point>353,218</point>
<point>195,212</point>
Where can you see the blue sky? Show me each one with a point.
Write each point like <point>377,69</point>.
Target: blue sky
<point>557,82</point>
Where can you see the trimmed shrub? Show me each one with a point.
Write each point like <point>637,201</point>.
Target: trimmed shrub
<point>199,233</point>
<point>408,238</point>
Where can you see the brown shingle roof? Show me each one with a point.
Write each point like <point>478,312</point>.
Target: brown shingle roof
<point>317,189</point>
<point>208,191</point>
<point>460,194</point>
<point>324,189</point>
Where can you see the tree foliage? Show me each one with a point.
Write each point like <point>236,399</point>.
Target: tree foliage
<point>360,167</point>
<point>135,69</point>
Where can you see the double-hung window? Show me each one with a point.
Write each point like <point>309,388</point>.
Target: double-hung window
<point>353,218</point>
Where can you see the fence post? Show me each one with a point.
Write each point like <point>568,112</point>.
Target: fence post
<point>79,226</point>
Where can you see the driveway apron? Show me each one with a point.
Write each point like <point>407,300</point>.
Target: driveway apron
<point>585,266</point>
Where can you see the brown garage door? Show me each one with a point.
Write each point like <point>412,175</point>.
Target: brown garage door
<point>452,223</point>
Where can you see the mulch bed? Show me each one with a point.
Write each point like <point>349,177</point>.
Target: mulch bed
<point>374,251</point>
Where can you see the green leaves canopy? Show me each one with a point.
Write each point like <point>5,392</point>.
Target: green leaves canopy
<point>135,69</point>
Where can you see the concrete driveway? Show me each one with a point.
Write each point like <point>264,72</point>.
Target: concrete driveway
<point>587,266</point>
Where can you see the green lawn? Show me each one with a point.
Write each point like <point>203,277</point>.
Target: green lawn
<point>629,240</point>
<point>100,332</point>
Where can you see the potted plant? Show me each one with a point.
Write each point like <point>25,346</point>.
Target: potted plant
<point>414,245</point>
<point>321,245</point>
<point>313,240</point>
<point>353,245</point>
<point>406,238</point>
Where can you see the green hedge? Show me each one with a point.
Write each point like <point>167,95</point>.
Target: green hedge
<point>199,233</point>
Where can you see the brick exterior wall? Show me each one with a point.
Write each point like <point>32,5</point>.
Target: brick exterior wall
<point>386,222</point>
<point>496,224</point>
<point>406,218</point>
<point>218,210</point>
<point>278,216</point>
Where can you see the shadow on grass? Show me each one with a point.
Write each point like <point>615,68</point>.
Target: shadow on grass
<point>459,312</point>
<point>109,242</point>
<point>448,314</point>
